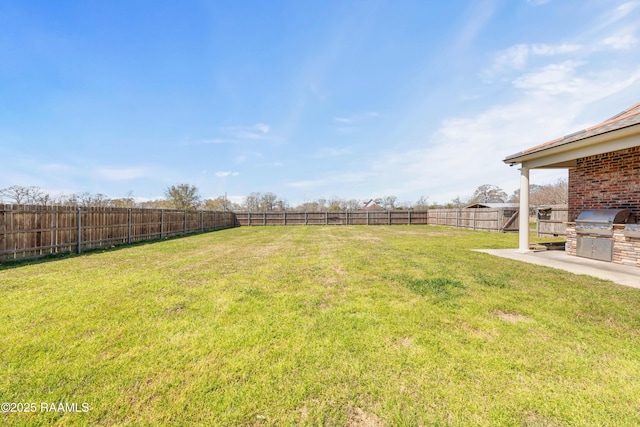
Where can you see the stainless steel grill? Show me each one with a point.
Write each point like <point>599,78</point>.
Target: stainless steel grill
<point>600,221</point>
<point>594,229</point>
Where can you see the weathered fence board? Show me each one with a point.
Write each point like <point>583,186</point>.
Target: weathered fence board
<point>489,219</point>
<point>552,220</point>
<point>32,231</point>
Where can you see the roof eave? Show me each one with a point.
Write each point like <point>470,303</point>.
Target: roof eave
<point>562,155</point>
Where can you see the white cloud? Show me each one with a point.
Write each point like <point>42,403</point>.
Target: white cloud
<point>554,79</point>
<point>621,12</point>
<point>517,57</point>
<point>258,131</point>
<point>621,41</point>
<point>261,127</point>
<point>352,123</point>
<point>466,152</point>
<point>223,174</point>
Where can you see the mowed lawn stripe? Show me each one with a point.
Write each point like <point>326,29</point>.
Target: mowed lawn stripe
<point>329,325</point>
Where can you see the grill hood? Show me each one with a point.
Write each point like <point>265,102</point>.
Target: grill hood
<point>603,216</point>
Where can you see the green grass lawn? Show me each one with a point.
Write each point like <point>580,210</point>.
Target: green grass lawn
<point>338,325</point>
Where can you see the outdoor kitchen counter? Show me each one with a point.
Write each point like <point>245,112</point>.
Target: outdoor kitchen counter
<point>626,249</point>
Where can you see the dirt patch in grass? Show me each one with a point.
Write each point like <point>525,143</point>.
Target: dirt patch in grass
<point>511,317</point>
<point>534,419</point>
<point>356,417</point>
<point>485,335</point>
<point>397,343</point>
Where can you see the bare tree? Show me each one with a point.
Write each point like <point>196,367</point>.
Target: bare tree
<point>155,204</point>
<point>252,202</point>
<point>389,202</point>
<point>268,202</point>
<point>87,199</point>
<point>22,195</point>
<point>313,206</point>
<point>125,202</point>
<point>217,204</point>
<point>488,193</point>
<point>336,204</point>
<point>353,204</point>
<point>459,203</point>
<point>547,194</point>
<point>422,203</point>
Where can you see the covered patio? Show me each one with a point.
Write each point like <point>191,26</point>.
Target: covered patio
<point>604,173</point>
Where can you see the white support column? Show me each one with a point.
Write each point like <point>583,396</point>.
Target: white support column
<point>524,211</point>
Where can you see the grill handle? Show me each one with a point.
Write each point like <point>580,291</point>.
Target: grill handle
<point>594,221</point>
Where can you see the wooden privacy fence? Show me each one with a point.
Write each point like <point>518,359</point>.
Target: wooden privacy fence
<point>490,219</point>
<point>349,217</point>
<point>552,220</point>
<point>32,231</point>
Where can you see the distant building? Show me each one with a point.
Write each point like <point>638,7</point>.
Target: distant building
<point>371,205</point>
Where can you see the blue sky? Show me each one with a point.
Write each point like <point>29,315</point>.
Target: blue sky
<point>305,99</point>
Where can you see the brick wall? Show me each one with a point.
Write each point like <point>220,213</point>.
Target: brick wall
<point>609,180</point>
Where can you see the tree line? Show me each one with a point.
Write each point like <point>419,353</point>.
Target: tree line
<point>186,196</point>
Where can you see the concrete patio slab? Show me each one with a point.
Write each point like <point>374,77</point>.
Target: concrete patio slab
<point>620,274</point>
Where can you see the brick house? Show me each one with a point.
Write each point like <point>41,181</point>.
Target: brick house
<point>604,173</point>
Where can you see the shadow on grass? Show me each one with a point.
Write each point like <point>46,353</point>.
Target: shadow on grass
<point>42,259</point>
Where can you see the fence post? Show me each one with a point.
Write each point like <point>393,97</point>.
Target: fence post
<point>346,217</point>
<point>161,223</point>
<point>284,216</point>
<point>367,217</point>
<point>79,230</point>
<point>409,218</point>
<point>500,216</point>
<point>473,218</point>
<point>201,221</point>
<point>305,218</point>
<point>388,217</point>
<point>129,226</point>
<point>54,240</point>
<point>184,231</point>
